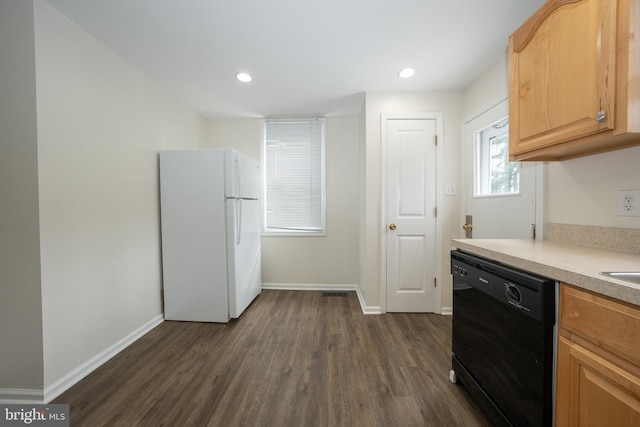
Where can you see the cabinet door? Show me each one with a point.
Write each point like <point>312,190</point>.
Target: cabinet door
<point>562,74</point>
<point>592,391</point>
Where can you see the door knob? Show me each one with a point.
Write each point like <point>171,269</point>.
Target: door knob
<point>392,226</point>
<point>467,227</point>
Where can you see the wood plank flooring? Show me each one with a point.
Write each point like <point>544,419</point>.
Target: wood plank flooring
<point>294,358</point>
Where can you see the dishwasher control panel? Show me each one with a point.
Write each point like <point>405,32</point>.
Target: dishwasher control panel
<point>521,290</point>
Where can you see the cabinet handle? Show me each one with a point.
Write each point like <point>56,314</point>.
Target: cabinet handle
<point>601,116</point>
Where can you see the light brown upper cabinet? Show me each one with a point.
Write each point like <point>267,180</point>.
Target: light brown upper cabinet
<point>574,80</point>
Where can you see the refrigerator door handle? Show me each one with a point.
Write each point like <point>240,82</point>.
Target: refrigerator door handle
<point>237,168</point>
<point>238,197</point>
<point>239,221</point>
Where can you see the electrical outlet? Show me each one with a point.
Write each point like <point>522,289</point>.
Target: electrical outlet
<point>450,190</point>
<point>629,203</point>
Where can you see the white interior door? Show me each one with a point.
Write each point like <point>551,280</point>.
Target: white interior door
<point>492,208</point>
<point>411,220</point>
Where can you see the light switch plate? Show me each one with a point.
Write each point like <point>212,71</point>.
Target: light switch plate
<point>450,190</point>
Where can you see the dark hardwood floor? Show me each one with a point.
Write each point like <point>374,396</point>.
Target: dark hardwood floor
<point>294,358</point>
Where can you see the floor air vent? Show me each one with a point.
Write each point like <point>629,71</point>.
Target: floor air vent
<point>334,294</point>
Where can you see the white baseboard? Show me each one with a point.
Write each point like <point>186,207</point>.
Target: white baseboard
<point>66,382</point>
<point>324,287</point>
<point>21,395</point>
<point>309,287</point>
<point>446,311</point>
<point>368,309</point>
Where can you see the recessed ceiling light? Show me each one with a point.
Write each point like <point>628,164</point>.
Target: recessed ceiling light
<point>406,73</point>
<point>244,77</point>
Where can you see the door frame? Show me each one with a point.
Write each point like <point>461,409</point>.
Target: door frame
<point>540,171</point>
<point>438,117</point>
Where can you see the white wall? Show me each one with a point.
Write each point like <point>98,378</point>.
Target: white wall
<point>318,260</point>
<point>584,191</point>
<point>101,123</point>
<point>21,364</point>
<point>242,134</point>
<point>450,104</point>
<point>487,90</point>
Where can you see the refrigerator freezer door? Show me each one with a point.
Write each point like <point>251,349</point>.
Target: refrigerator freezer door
<point>194,258</point>
<point>242,175</point>
<point>243,248</point>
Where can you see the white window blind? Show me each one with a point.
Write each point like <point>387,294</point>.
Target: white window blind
<point>294,175</point>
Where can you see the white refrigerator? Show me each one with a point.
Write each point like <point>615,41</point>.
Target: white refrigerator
<point>210,224</point>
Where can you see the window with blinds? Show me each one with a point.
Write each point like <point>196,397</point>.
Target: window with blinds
<point>293,162</point>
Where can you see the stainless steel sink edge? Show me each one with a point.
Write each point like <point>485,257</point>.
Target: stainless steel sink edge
<point>627,276</point>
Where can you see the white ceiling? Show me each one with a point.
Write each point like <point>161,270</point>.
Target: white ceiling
<point>307,58</point>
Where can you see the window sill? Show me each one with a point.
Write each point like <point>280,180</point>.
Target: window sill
<point>296,233</point>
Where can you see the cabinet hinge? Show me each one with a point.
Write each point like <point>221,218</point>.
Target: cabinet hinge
<point>533,231</point>
<point>435,211</point>
<point>436,139</point>
<point>435,282</point>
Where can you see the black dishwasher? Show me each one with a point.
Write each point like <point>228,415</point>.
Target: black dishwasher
<point>503,339</point>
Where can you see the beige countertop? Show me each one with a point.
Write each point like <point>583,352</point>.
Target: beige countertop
<point>573,264</point>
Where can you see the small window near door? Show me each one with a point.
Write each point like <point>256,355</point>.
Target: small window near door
<point>495,175</point>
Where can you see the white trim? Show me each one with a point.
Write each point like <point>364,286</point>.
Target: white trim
<point>540,186</point>
<point>71,378</point>
<point>21,395</point>
<point>325,287</point>
<point>372,309</point>
<point>309,287</point>
<point>486,107</point>
<point>439,119</point>
<point>446,311</point>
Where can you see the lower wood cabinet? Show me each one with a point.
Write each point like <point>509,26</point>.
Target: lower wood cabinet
<point>598,371</point>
